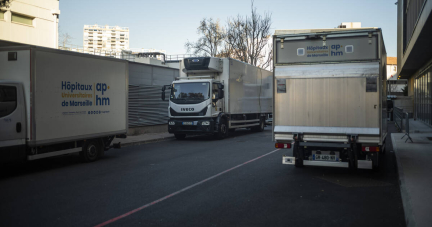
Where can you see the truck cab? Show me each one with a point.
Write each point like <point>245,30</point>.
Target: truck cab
<point>194,104</point>
<point>199,100</point>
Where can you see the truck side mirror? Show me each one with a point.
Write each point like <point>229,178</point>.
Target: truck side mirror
<point>163,91</point>
<point>220,93</point>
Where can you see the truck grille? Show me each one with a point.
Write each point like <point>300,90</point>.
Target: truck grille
<point>201,113</point>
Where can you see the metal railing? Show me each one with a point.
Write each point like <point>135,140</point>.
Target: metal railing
<point>399,116</point>
<point>178,57</point>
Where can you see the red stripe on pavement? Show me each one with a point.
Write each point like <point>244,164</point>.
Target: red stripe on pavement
<point>178,192</point>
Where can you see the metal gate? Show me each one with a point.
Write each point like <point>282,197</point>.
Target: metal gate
<point>146,106</point>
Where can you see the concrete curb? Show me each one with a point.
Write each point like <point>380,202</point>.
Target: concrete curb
<point>134,143</point>
<point>406,199</point>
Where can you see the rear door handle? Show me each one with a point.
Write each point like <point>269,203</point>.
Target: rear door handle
<point>18,127</point>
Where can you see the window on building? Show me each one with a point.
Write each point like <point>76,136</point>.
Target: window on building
<point>18,18</point>
<point>2,15</point>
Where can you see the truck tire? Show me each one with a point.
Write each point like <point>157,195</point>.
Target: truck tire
<point>180,136</point>
<point>299,155</point>
<point>223,129</point>
<point>90,151</point>
<point>260,127</point>
<point>352,154</point>
<point>375,162</point>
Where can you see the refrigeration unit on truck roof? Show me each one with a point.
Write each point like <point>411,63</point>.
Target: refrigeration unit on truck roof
<point>329,96</point>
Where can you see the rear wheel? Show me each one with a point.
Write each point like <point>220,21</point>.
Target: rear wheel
<point>375,161</point>
<point>180,136</point>
<point>260,127</point>
<point>352,155</point>
<point>91,151</point>
<point>298,154</point>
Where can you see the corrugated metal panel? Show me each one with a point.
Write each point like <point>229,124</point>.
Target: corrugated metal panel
<point>145,86</point>
<point>146,106</point>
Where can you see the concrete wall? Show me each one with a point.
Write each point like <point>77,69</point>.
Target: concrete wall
<point>43,31</point>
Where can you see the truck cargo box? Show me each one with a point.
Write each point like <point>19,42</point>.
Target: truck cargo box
<point>330,90</point>
<point>68,96</point>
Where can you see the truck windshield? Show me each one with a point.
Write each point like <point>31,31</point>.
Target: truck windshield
<point>190,93</point>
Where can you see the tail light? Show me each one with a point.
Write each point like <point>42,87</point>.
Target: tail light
<point>370,149</point>
<point>283,145</point>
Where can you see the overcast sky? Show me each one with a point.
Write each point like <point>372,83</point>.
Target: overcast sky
<point>168,24</point>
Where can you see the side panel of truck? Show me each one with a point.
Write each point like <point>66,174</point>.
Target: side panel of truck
<point>77,97</point>
<point>250,89</point>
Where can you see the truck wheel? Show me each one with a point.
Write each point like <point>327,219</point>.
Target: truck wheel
<point>180,136</point>
<point>260,127</point>
<point>299,155</point>
<point>375,161</point>
<point>352,164</point>
<point>90,151</point>
<point>223,129</point>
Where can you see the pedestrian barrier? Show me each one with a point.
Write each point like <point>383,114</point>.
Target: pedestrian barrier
<point>399,116</point>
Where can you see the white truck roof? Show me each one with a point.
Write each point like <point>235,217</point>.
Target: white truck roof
<point>325,30</point>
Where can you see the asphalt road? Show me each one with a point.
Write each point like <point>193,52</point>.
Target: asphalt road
<point>193,183</point>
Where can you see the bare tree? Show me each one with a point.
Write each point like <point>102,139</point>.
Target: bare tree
<point>64,38</point>
<point>210,42</point>
<point>5,3</point>
<point>249,39</point>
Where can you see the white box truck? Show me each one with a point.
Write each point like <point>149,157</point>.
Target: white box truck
<point>55,102</point>
<point>330,96</point>
<point>218,95</point>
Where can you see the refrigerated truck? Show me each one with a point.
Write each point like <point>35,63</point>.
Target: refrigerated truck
<point>55,102</point>
<point>329,97</point>
<point>218,95</point>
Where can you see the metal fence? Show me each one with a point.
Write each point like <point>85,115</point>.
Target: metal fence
<point>399,116</point>
<point>146,106</point>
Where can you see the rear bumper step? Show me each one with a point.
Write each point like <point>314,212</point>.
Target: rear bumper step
<point>361,164</point>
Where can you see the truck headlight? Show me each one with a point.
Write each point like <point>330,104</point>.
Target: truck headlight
<point>205,123</point>
<point>171,123</point>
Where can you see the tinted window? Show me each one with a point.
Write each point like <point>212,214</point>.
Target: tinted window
<point>8,100</point>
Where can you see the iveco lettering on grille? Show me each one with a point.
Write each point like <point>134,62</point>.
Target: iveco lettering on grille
<point>187,109</point>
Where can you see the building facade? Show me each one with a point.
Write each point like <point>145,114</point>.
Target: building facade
<point>105,40</point>
<point>31,22</point>
<point>414,50</point>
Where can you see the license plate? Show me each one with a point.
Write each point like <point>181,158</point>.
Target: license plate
<point>188,123</point>
<point>325,157</point>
